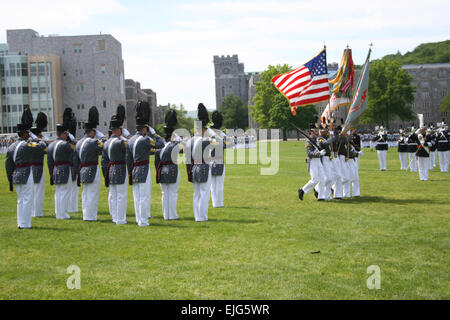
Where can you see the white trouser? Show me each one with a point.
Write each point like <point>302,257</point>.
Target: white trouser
<point>382,159</point>
<point>39,195</point>
<point>202,193</point>
<point>412,162</point>
<point>73,201</point>
<point>403,160</point>
<point>353,165</point>
<point>62,197</point>
<point>142,194</point>
<point>117,201</point>
<point>316,172</point>
<point>25,203</point>
<point>347,182</point>
<point>424,166</point>
<point>329,177</point>
<point>169,198</point>
<point>433,160</point>
<point>89,198</point>
<point>443,161</point>
<point>338,176</point>
<point>217,186</point>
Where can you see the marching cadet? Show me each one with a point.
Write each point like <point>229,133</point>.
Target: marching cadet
<point>70,123</point>
<point>59,161</point>
<point>423,153</point>
<point>114,167</point>
<point>329,173</point>
<point>433,154</point>
<point>18,169</point>
<point>37,165</point>
<point>340,148</point>
<point>403,151</point>
<point>412,148</point>
<point>315,168</point>
<point>443,146</point>
<point>353,171</point>
<point>87,151</point>
<point>138,153</point>
<point>198,168</point>
<point>381,147</point>
<point>167,173</point>
<point>355,153</point>
<point>217,162</point>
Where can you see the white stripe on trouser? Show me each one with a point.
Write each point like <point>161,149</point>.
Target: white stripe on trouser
<point>337,184</point>
<point>62,197</point>
<point>25,203</point>
<point>169,197</point>
<point>329,178</point>
<point>117,201</point>
<point>412,161</point>
<point>403,160</point>
<point>89,198</point>
<point>73,197</point>
<point>39,195</point>
<point>443,161</point>
<point>424,166</point>
<point>382,159</point>
<point>317,176</point>
<point>217,186</point>
<point>201,199</point>
<point>142,195</point>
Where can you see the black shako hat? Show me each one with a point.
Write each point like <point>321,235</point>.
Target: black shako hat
<point>142,114</point>
<point>93,119</point>
<point>217,119</point>
<point>118,119</point>
<point>202,114</point>
<point>171,121</point>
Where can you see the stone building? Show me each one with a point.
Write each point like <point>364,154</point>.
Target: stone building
<point>92,70</point>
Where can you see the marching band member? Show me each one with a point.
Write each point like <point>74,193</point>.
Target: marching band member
<point>412,148</point>
<point>443,146</point>
<point>87,151</point>
<point>381,147</point>
<point>114,168</point>
<point>423,153</point>
<point>402,149</point>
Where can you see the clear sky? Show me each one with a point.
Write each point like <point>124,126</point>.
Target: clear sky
<point>169,46</point>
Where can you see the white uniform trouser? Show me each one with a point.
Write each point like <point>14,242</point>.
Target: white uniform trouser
<point>25,203</point>
<point>412,162</point>
<point>117,201</point>
<point>382,159</point>
<point>403,160</point>
<point>424,166</point>
<point>62,197</point>
<point>73,201</point>
<point>217,186</point>
<point>316,172</point>
<point>443,161</point>
<point>347,182</point>
<point>329,177</point>
<point>142,194</point>
<point>202,192</point>
<point>89,198</point>
<point>169,198</point>
<point>353,165</point>
<point>338,176</point>
<point>39,195</point>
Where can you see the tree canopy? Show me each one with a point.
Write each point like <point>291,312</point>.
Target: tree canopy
<point>235,113</point>
<point>271,108</point>
<point>433,52</point>
<point>445,104</point>
<point>390,93</point>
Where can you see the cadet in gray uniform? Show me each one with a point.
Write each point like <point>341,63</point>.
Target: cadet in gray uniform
<point>18,170</point>
<point>217,162</point>
<point>167,173</point>
<point>138,153</point>
<point>37,165</point>
<point>70,123</point>
<point>86,160</point>
<point>59,161</point>
<point>114,167</point>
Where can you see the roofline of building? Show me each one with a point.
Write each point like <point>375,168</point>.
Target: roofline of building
<point>425,65</point>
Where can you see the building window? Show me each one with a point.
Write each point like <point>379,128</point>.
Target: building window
<point>77,48</point>
<point>103,68</point>
<point>63,51</point>
<point>33,70</point>
<point>101,45</point>
<point>104,88</point>
<point>104,103</point>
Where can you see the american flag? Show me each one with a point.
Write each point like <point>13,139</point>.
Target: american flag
<point>307,84</point>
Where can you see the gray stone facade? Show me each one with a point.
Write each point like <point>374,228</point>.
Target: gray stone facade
<point>92,70</point>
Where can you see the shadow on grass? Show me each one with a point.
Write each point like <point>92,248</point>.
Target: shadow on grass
<point>368,199</point>
<point>223,220</point>
<point>51,228</point>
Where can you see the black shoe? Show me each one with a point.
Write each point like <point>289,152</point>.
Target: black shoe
<point>338,198</point>
<point>320,199</point>
<point>300,193</point>
<point>316,194</point>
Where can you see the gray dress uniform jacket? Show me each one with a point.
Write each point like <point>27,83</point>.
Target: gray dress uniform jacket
<point>114,165</point>
<point>86,159</point>
<point>138,153</point>
<point>37,161</point>
<point>197,166</point>
<point>59,161</point>
<point>166,169</point>
<point>18,161</point>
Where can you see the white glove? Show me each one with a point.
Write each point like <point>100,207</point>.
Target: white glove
<point>429,144</point>
<point>123,138</point>
<point>33,136</point>
<point>151,130</point>
<point>176,137</point>
<point>360,153</point>
<point>45,138</point>
<point>211,132</point>
<point>71,137</point>
<point>125,132</point>
<point>323,152</point>
<point>98,134</point>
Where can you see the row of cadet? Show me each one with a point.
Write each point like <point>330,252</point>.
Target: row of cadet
<point>124,162</point>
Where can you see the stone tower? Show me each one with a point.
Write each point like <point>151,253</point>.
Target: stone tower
<point>230,79</point>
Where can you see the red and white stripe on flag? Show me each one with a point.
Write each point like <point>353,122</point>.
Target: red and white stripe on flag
<point>306,84</point>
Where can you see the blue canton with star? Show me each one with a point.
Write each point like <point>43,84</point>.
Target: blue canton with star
<point>318,65</point>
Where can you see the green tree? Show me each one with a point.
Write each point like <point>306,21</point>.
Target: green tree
<point>445,104</point>
<point>235,113</point>
<point>433,52</point>
<point>390,94</point>
<point>271,108</point>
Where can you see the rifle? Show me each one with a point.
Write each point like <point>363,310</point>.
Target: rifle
<point>303,133</point>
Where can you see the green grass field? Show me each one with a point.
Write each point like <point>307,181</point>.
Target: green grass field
<point>257,247</point>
